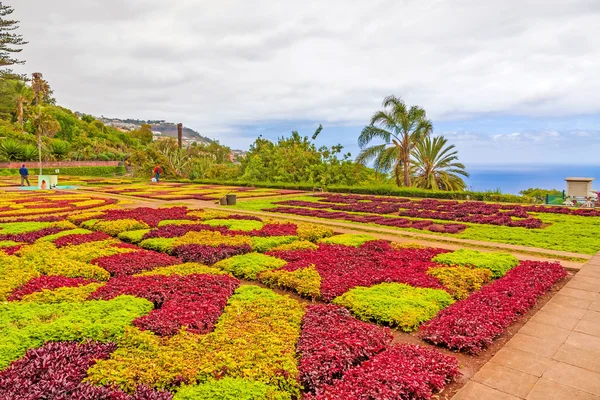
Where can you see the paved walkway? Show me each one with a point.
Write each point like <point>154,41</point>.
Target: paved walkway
<point>555,355</point>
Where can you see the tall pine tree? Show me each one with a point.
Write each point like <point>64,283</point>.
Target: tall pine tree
<point>9,41</point>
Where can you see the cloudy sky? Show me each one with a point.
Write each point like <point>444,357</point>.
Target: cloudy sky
<point>512,81</point>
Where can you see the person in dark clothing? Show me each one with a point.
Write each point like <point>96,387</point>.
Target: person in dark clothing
<point>24,175</point>
<point>157,171</point>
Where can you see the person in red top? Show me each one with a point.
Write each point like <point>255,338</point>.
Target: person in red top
<point>157,171</point>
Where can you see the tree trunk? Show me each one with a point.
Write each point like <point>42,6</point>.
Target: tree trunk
<point>20,112</point>
<point>40,151</point>
<point>406,167</point>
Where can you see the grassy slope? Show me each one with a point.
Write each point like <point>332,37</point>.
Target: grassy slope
<point>565,233</point>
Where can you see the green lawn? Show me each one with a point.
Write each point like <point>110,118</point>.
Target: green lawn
<point>566,232</point>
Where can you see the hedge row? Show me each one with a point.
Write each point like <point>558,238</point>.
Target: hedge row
<point>72,171</point>
<point>383,190</point>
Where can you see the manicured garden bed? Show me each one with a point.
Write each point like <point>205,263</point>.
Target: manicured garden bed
<point>156,304</point>
<point>554,228</point>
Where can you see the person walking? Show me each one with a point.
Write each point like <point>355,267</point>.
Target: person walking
<point>24,172</point>
<point>157,171</point>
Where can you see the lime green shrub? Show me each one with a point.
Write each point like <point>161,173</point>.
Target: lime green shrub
<point>305,281</point>
<point>248,266</point>
<point>133,236</point>
<point>176,222</point>
<point>312,232</point>
<point>14,273</point>
<point>498,263</point>
<point>231,389</point>
<point>395,304</point>
<point>461,281</point>
<point>89,224</point>
<point>209,238</point>
<point>297,245</point>
<point>348,239</point>
<point>77,218</point>
<point>208,214</point>
<point>164,245</point>
<point>52,238</point>
<point>27,325</point>
<point>8,243</point>
<point>264,244</point>
<point>63,294</point>
<point>113,228</point>
<point>236,224</point>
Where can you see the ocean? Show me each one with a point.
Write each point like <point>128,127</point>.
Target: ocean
<point>514,178</point>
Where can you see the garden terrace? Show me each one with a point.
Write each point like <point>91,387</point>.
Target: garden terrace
<point>187,191</point>
<point>537,227</point>
<point>206,304</point>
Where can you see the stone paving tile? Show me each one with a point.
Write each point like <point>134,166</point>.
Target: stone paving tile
<point>558,309</point>
<point>593,273</point>
<point>589,327</point>
<point>575,377</point>
<point>591,315</point>
<point>561,321</point>
<point>522,361</point>
<point>506,379</point>
<point>476,391</point>
<point>595,305</point>
<point>535,345</point>
<point>590,287</point>
<point>580,294</point>
<point>584,341</point>
<point>586,279</point>
<point>584,358</point>
<point>545,331</point>
<point>548,390</point>
<point>569,301</point>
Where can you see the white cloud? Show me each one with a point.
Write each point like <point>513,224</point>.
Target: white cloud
<point>216,65</point>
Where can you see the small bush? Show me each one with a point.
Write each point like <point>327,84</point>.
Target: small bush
<point>264,244</point>
<point>236,224</point>
<point>348,239</point>
<point>211,239</point>
<point>248,266</point>
<point>133,236</point>
<point>52,238</point>
<point>305,281</point>
<point>312,232</point>
<point>114,227</point>
<point>297,245</point>
<point>395,304</point>
<point>461,281</point>
<point>183,269</point>
<point>498,263</point>
<point>231,389</point>
<point>164,245</point>
<point>407,245</point>
<point>63,294</point>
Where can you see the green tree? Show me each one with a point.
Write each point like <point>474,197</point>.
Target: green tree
<point>401,129</point>
<point>436,167</point>
<point>9,41</point>
<point>143,134</point>
<point>45,126</point>
<point>22,94</point>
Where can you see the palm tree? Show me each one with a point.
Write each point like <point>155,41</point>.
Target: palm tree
<point>22,94</point>
<point>401,129</point>
<point>436,166</point>
<point>45,125</point>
